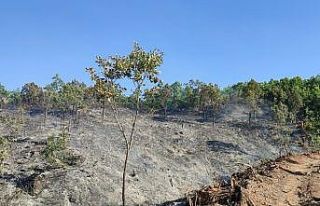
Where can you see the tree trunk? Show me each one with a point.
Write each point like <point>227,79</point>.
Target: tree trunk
<point>124,176</point>
<point>45,116</point>
<point>69,126</point>
<point>73,113</point>
<point>204,115</point>
<point>77,116</point>
<point>103,110</point>
<point>165,112</point>
<point>129,145</point>
<point>214,119</point>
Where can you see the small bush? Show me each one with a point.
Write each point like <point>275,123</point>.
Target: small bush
<point>55,145</point>
<point>13,124</point>
<point>57,153</point>
<point>315,142</point>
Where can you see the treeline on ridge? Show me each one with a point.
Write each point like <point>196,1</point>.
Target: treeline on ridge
<point>292,100</point>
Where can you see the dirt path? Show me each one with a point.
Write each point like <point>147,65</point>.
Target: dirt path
<point>294,180</point>
<point>290,180</point>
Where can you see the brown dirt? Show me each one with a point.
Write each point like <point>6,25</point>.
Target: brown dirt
<point>295,180</point>
<point>289,180</point>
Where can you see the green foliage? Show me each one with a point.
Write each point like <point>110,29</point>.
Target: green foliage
<point>315,142</point>
<point>210,100</point>
<point>280,113</point>
<point>139,67</point>
<point>176,100</point>
<point>72,96</point>
<point>57,153</point>
<point>56,84</point>
<point>194,96</point>
<point>52,93</point>
<point>65,97</point>
<point>13,123</point>
<point>251,92</point>
<point>150,100</point>
<point>296,100</point>
<point>4,94</point>
<point>55,143</point>
<point>312,125</point>
<point>290,92</point>
<point>31,95</point>
<point>56,149</point>
<point>122,80</point>
<point>14,99</point>
<point>163,93</point>
<point>238,89</point>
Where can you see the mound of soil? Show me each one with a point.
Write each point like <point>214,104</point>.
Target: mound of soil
<point>289,180</point>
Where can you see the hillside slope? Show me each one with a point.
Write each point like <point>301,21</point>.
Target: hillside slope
<point>168,159</point>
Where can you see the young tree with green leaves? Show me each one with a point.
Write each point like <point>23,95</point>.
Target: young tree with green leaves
<point>295,100</point>
<point>211,100</point>
<point>205,100</point>
<point>176,100</point>
<point>193,94</point>
<point>31,95</point>
<point>53,93</point>
<point>217,101</point>
<point>280,113</point>
<point>138,67</point>
<point>151,101</point>
<point>72,96</point>
<point>14,99</point>
<point>3,96</point>
<point>251,93</point>
<point>164,93</point>
<point>312,111</point>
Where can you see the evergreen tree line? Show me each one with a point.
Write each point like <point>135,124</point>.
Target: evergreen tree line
<point>292,100</point>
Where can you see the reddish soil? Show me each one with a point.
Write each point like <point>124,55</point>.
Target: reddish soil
<point>294,180</point>
<point>289,180</point>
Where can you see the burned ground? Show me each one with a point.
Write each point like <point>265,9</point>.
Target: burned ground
<point>168,159</point>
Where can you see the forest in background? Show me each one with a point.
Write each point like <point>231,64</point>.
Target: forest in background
<point>294,101</point>
<point>291,100</point>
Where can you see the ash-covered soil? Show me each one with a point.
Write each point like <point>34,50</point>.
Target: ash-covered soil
<point>168,158</point>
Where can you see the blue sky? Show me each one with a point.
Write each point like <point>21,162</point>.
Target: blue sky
<point>220,41</point>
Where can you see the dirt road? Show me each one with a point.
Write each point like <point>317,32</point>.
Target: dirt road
<point>290,180</point>
<point>294,180</point>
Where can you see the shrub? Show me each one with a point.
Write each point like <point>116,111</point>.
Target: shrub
<point>55,145</point>
<point>13,124</point>
<point>315,142</point>
<point>57,152</point>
